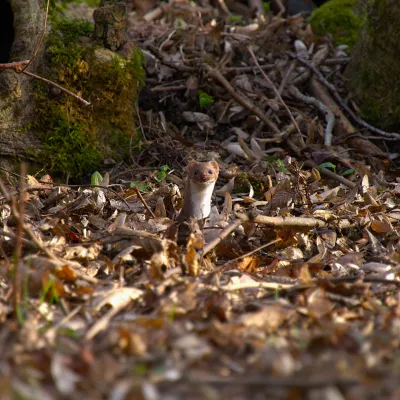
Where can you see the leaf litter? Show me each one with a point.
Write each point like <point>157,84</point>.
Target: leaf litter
<point>290,292</point>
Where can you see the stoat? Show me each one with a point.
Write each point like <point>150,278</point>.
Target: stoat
<point>198,190</point>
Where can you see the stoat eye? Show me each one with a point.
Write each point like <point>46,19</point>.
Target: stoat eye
<point>210,171</point>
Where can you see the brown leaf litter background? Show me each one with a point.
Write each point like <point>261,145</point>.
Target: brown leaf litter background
<point>290,292</point>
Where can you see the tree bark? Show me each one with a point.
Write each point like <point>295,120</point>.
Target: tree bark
<point>375,65</point>
<point>16,103</point>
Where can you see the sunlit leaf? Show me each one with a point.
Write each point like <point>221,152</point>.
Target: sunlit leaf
<point>205,99</point>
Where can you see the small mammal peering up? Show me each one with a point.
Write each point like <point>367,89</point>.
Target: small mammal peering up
<point>198,190</point>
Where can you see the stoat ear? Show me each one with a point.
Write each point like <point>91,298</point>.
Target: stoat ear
<point>215,165</point>
<point>191,165</point>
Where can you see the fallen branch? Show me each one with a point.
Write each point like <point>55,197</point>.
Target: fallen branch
<point>256,285</point>
<point>224,233</point>
<point>146,206</point>
<point>329,116</point>
<point>283,222</point>
<point>215,74</point>
<point>330,174</point>
<point>272,381</point>
<point>276,91</point>
<point>339,99</point>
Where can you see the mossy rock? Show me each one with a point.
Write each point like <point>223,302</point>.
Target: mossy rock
<point>339,18</point>
<point>77,138</point>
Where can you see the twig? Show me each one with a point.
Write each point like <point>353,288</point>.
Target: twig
<point>339,99</point>
<point>251,252</point>
<point>240,98</point>
<point>329,116</point>
<point>273,381</point>
<point>174,65</point>
<point>337,60</point>
<point>88,185</point>
<point>281,7</point>
<point>13,236</point>
<point>20,232</point>
<point>144,203</point>
<point>367,279</point>
<point>161,89</point>
<point>257,285</point>
<point>284,134</point>
<point>154,14</point>
<point>330,174</point>
<point>52,330</point>
<point>249,69</point>
<point>258,7</point>
<point>287,76</point>
<point>287,222</point>
<point>86,103</point>
<point>224,233</point>
<point>274,89</point>
<point>39,43</point>
<point>16,66</point>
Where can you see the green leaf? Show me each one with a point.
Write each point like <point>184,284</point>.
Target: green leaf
<point>349,171</point>
<point>162,173</point>
<point>96,178</point>
<point>143,187</point>
<point>235,19</point>
<point>281,166</point>
<point>205,99</point>
<point>328,165</point>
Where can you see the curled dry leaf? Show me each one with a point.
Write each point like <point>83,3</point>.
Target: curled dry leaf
<point>191,255</point>
<point>318,305</point>
<point>203,121</point>
<point>268,318</point>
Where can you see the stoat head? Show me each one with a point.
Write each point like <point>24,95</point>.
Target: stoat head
<point>203,172</point>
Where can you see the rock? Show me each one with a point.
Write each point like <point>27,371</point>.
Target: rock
<point>103,56</point>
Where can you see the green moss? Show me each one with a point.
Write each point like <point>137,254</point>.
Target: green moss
<point>76,138</point>
<point>374,64</point>
<point>337,17</point>
<point>59,6</point>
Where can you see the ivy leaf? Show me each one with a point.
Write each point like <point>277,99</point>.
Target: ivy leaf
<point>328,165</point>
<point>349,171</point>
<point>96,178</point>
<point>205,99</point>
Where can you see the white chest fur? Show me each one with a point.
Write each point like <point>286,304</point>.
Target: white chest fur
<point>200,199</point>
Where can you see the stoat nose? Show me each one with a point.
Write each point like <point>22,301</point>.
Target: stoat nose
<point>203,177</point>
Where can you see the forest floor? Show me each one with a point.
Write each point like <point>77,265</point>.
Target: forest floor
<point>289,292</point>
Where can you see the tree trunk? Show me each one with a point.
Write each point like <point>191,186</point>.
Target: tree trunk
<point>21,25</point>
<point>44,124</point>
<point>375,65</point>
